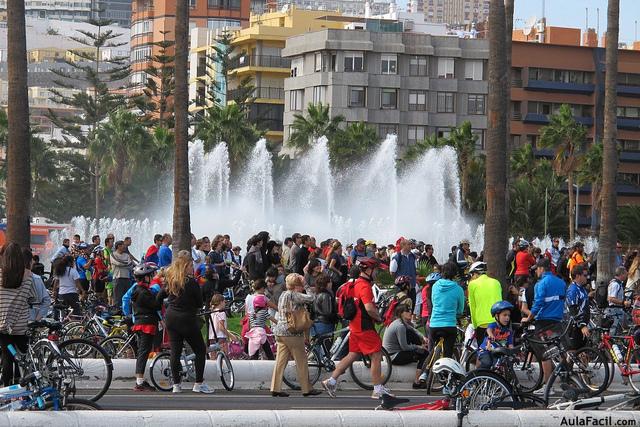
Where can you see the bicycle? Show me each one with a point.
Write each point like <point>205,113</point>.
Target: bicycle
<point>577,372</point>
<point>323,353</point>
<point>629,350</point>
<point>161,373</point>
<point>34,392</point>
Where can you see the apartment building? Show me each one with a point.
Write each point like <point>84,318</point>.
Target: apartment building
<point>409,84</point>
<point>456,12</point>
<point>545,76</point>
<point>154,21</point>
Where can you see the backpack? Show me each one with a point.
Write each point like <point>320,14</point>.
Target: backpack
<point>602,294</point>
<point>387,317</point>
<point>346,303</point>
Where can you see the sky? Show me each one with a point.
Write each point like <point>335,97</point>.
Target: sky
<point>571,13</point>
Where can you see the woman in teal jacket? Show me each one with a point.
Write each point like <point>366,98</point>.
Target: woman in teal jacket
<point>447,298</point>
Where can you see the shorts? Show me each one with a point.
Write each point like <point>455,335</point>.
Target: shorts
<point>365,343</point>
<point>98,286</point>
<point>85,284</point>
<point>109,288</point>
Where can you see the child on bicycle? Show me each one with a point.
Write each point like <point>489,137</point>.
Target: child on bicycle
<point>499,334</point>
<point>218,323</point>
<point>257,335</point>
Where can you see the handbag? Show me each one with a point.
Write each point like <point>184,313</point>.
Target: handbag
<point>299,321</point>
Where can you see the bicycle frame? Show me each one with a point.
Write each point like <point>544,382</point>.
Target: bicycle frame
<point>623,365</point>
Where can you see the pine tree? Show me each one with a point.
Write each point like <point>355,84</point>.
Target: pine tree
<point>99,82</point>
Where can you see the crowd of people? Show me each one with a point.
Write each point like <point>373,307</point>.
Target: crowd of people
<point>300,288</point>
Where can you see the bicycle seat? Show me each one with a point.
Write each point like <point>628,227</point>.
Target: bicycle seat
<point>45,323</point>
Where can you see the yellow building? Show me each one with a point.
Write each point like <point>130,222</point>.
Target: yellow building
<point>46,54</point>
<point>261,59</point>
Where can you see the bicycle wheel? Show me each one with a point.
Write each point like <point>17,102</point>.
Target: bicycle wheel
<point>160,372</point>
<point>74,404</point>
<point>226,371</point>
<point>470,361</point>
<point>592,369</point>
<point>528,372</point>
<point>91,376</point>
<point>484,389</point>
<point>562,386</point>
<point>290,376</point>
<point>634,366</point>
<point>119,347</point>
<point>361,374</point>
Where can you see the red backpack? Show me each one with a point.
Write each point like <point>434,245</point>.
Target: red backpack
<point>346,303</point>
<point>388,314</point>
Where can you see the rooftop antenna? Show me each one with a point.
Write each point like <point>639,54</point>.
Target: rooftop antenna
<point>598,21</point>
<point>528,26</point>
<point>586,23</point>
<point>543,9</point>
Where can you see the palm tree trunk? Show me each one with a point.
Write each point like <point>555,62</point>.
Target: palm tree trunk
<point>572,208</point>
<point>508,12</point>
<point>595,207</point>
<point>181,213</point>
<point>608,237</point>
<point>495,237</point>
<point>18,144</point>
<point>96,179</point>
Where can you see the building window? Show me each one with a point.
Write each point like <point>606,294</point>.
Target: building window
<point>473,70</point>
<point>141,53</point>
<point>445,68</point>
<point>629,145</point>
<point>297,66</point>
<point>443,133</point>
<point>476,104</point>
<point>353,61</point>
<point>142,27</point>
<point>223,4</point>
<point>628,79</point>
<point>296,100</point>
<point>385,130</point>
<point>629,112</point>
<point>192,3</point>
<point>215,24</point>
<point>417,100</point>
<point>319,94</point>
<point>138,78</point>
<point>389,64</point>
<point>560,76</point>
<point>479,134</point>
<point>318,61</point>
<point>357,96</point>
<point>418,66</point>
<point>416,134</point>
<point>389,99</point>
<point>446,102</point>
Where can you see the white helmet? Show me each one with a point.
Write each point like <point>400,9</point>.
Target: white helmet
<point>478,267</point>
<point>447,364</point>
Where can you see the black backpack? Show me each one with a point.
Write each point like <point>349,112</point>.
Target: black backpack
<point>602,294</point>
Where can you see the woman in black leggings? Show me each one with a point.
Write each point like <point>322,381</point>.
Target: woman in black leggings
<point>183,324</point>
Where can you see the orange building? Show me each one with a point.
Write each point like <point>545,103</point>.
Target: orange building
<point>542,33</point>
<point>154,21</point>
<point>545,76</point>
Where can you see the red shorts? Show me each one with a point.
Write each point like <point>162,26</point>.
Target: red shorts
<point>367,342</point>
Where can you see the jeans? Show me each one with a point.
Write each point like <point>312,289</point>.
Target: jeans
<point>487,359</point>
<point>320,328</point>
<point>617,315</point>
<point>185,327</point>
<point>120,288</point>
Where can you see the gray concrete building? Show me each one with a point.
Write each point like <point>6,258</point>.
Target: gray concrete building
<point>409,84</point>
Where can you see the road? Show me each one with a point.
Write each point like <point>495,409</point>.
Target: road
<point>223,400</point>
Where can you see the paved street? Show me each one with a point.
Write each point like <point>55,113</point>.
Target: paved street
<point>224,400</point>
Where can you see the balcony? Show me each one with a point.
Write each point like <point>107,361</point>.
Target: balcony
<point>543,119</point>
<point>629,90</point>
<point>549,86</point>
<point>267,61</point>
<point>262,92</point>
<point>516,82</point>
<point>630,124</point>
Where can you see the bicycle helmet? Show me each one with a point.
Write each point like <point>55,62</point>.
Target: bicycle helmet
<point>501,306</point>
<point>523,244</point>
<point>478,267</point>
<point>446,364</point>
<point>97,249</point>
<point>83,246</point>
<point>144,269</point>
<point>260,301</point>
<point>433,277</point>
<point>368,262</point>
<point>403,281</point>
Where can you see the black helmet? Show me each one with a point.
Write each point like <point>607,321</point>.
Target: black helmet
<point>144,269</point>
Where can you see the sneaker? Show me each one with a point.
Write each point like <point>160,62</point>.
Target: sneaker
<point>420,385</point>
<point>145,386</point>
<point>377,394</point>
<point>540,391</point>
<point>177,388</point>
<point>330,388</point>
<point>202,388</point>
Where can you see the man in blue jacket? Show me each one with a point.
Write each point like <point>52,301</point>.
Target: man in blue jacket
<point>548,307</point>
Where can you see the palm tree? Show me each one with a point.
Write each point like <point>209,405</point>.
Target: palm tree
<point>18,196</point>
<point>567,138</point>
<point>416,150</point>
<point>628,220</point>
<point>121,144</point>
<point>495,240</point>
<point>523,161</point>
<point>607,243</point>
<point>181,212</point>
<point>228,124</point>
<point>43,167</point>
<point>350,145</point>
<point>590,173</point>
<point>463,141</point>
<point>527,207</point>
<point>317,123</point>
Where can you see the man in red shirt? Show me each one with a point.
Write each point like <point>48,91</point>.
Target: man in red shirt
<point>363,338</point>
<point>524,262</point>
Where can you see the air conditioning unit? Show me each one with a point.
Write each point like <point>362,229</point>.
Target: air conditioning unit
<point>409,25</point>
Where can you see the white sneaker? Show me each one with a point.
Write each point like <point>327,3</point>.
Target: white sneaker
<point>202,388</point>
<point>177,388</point>
<point>378,392</point>
<point>330,388</point>
<point>540,391</point>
